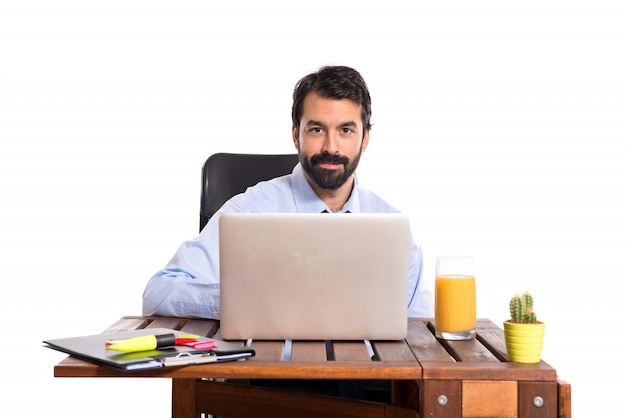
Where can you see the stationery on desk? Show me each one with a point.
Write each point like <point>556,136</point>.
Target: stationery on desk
<point>149,348</point>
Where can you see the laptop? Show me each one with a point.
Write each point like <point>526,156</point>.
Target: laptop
<point>288,276</point>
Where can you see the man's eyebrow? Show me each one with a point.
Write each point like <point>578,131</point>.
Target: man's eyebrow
<point>349,123</point>
<point>312,122</point>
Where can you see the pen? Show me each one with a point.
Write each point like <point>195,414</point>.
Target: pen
<point>149,342</point>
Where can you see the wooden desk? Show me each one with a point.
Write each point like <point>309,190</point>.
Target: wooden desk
<point>438,378</point>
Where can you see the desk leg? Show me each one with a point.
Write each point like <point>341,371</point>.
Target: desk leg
<point>565,399</point>
<point>441,398</point>
<point>538,399</point>
<point>184,398</point>
<point>405,393</point>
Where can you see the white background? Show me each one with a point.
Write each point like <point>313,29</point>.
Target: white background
<point>499,127</point>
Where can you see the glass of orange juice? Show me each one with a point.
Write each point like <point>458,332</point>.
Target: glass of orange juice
<point>455,298</point>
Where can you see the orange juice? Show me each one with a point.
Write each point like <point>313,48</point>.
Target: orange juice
<point>455,303</point>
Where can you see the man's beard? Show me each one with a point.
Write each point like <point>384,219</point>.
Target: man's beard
<point>329,179</point>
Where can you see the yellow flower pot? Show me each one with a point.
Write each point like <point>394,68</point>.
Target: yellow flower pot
<point>524,341</point>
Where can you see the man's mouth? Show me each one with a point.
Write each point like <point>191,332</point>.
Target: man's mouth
<point>330,166</point>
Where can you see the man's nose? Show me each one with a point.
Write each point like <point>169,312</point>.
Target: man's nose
<point>330,143</point>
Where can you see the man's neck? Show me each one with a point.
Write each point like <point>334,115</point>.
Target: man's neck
<point>335,199</point>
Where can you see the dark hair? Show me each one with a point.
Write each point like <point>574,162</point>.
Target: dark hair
<point>333,82</point>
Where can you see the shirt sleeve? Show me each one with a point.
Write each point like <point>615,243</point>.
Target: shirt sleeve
<point>188,286</point>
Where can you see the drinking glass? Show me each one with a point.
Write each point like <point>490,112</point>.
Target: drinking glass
<point>455,298</point>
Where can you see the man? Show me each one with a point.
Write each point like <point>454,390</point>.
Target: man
<point>331,128</point>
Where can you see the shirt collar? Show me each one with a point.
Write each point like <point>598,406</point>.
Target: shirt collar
<point>308,202</point>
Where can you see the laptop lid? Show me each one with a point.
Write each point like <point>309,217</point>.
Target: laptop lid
<point>313,276</point>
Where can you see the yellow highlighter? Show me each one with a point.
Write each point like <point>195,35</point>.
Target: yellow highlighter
<point>149,342</point>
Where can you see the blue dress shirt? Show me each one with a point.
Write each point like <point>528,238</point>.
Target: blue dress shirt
<point>189,285</point>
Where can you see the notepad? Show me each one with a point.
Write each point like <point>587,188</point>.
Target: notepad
<point>92,348</point>
<point>314,276</point>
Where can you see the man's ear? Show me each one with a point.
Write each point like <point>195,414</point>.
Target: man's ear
<point>294,136</point>
<point>365,141</point>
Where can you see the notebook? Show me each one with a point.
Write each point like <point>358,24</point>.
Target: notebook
<point>313,276</point>
<point>92,348</point>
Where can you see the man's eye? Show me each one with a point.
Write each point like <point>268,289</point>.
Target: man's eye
<point>315,129</point>
<point>347,130</point>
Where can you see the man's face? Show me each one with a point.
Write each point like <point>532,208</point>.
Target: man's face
<point>330,140</point>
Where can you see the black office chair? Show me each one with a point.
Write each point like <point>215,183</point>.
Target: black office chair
<point>224,175</point>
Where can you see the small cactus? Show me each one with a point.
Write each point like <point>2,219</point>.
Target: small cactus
<point>521,308</point>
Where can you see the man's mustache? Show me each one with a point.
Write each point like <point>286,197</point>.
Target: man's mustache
<point>329,158</point>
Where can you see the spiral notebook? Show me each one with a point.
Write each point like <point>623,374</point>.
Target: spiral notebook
<point>314,276</point>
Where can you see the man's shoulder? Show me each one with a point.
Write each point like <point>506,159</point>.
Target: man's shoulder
<point>265,194</point>
<point>372,202</point>
<point>276,185</point>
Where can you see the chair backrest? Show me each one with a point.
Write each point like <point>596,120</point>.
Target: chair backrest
<point>224,175</point>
